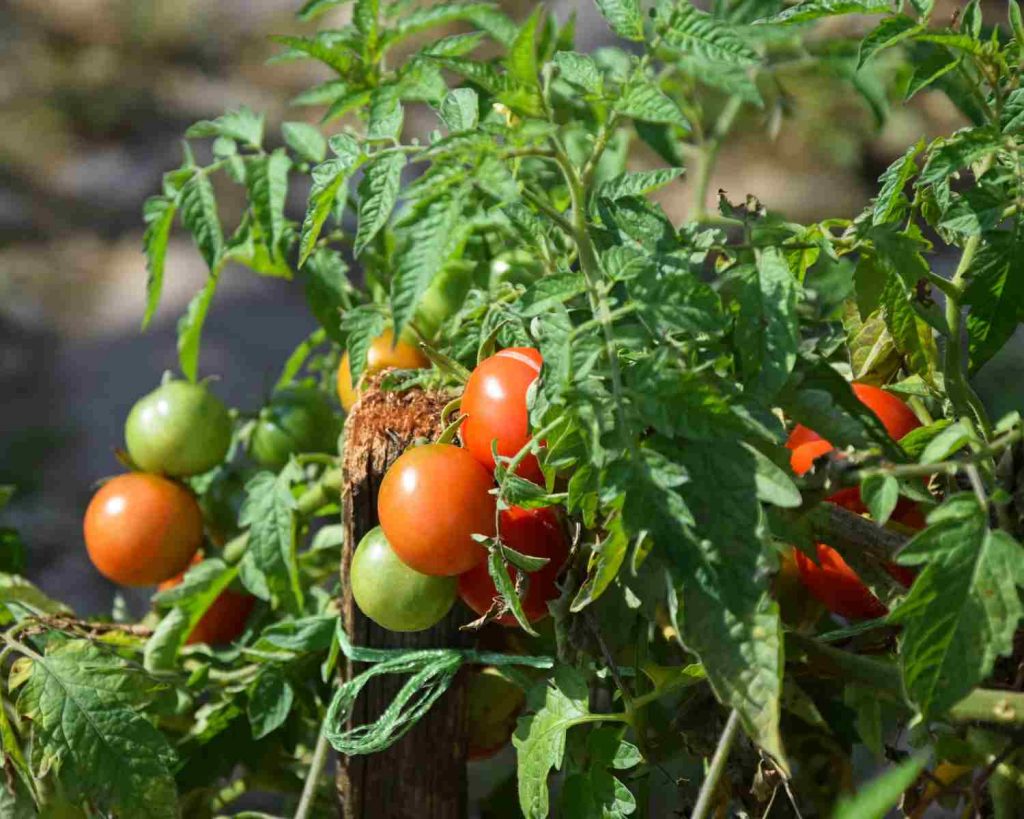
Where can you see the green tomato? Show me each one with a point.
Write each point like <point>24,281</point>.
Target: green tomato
<point>393,595</point>
<point>442,299</point>
<point>297,420</point>
<point>179,429</point>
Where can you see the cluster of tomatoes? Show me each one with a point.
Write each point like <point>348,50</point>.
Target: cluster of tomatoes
<point>436,504</point>
<point>831,580</point>
<point>146,527</point>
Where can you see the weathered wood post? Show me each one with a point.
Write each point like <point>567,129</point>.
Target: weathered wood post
<point>422,776</point>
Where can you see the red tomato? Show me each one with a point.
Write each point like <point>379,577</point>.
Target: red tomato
<point>494,402</point>
<point>225,619</point>
<point>831,580</point>
<point>534,532</point>
<point>142,529</point>
<point>432,500</point>
<point>897,418</point>
<point>839,588</point>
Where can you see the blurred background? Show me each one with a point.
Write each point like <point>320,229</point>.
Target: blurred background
<point>94,97</point>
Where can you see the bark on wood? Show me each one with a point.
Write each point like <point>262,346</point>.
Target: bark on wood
<point>422,776</point>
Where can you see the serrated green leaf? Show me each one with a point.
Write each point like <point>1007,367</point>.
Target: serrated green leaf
<point>314,8</point>
<point>335,48</point>
<point>580,70</point>
<point>891,31</point>
<point>360,327</point>
<point>637,183</point>
<point>974,211</point>
<point>729,619</point>
<point>326,93</point>
<point>891,201</point>
<point>460,110</point>
<point>269,569</point>
<point>522,54</point>
<point>242,125</point>
<point>696,33</point>
<point>429,243</point>
<point>306,140</point>
<point>557,705</point>
<point>442,14</point>
<point>773,484</point>
<point>270,701</point>
<point>386,114</point>
<point>995,295</point>
<point>947,156</point>
<point>268,189</point>
<point>603,567</point>
<point>365,17</point>
<point>190,327</point>
<point>158,214</point>
<point>964,607</point>
<point>83,704</point>
<point>950,438</point>
<point>766,330</point>
<point>641,99</point>
<point>505,586</point>
<point>328,180</point>
<point>378,192</point>
<point>199,215</point>
<point>809,10</point>
<point>495,22</point>
<point>912,337</point>
<point>624,17</point>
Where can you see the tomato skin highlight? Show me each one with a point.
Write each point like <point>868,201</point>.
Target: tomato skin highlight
<point>297,420</point>
<point>142,529</point>
<point>391,594</point>
<point>831,580</point>
<point>179,429</point>
<point>431,501</point>
<point>494,402</point>
<point>381,355</point>
<point>224,621</point>
<point>533,532</point>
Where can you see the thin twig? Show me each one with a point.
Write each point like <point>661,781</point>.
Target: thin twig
<point>707,789</point>
<point>316,767</point>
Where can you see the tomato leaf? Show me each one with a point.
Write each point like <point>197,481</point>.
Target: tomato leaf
<point>880,493</point>
<point>306,140</point>
<point>964,607</point>
<point>158,213</point>
<point>269,568</point>
<point>624,17</point>
<point>378,192</point>
<point>557,704</point>
<point>882,794</point>
<point>270,701</point>
<point>83,704</point>
<point>190,327</point>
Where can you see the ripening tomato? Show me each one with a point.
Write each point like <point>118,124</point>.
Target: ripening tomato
<point>494,402</point>
<point>897,418</point>
<point>297,420</point>
<point>432,500</point>
<point>179,429</point>
<point>142,529</point>
<point>224,621</point>
<point>383,353</point>
<point>831,580</point>
<point>494,704</point>
<point>393,595</point>
<point>533,532</point>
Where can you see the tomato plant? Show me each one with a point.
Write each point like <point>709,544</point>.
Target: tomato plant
<point>393,595</point>
<point>142,529</point>
<point>431,503</point>
<point>494,402</point>
<point>297,420</point>
<point>179,429</point>
<point>533,220</point>
<point>533,532</point>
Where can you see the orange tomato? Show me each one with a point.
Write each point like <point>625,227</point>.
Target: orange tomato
<point>142,529</point>
<point>383,353</point>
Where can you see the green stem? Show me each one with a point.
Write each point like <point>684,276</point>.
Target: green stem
<point>316,769</point>
<point>717,767</point>
<point>590,265</point>
<point>965,401</point>
<point>709,156</point>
